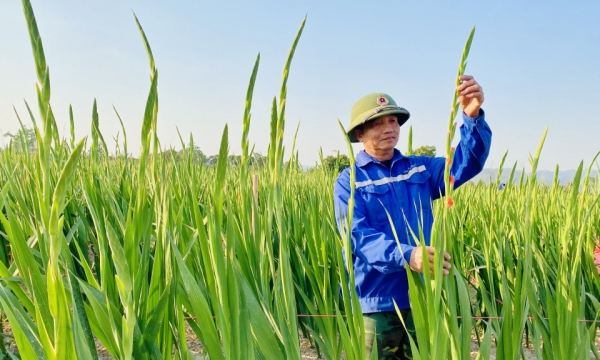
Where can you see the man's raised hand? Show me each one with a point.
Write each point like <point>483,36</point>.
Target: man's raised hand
<point>471,95</point>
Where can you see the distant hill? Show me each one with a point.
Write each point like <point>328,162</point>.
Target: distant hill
<point>543,175</point>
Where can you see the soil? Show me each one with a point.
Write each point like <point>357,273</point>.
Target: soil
<point>308,352</point>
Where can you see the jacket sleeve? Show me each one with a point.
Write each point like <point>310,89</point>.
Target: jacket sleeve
<point>470,155</point>
<point>370,245</point>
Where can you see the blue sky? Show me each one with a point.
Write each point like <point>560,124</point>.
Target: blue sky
<point>538,62</point>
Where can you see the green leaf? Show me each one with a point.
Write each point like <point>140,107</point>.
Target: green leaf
<point>262,330</point>
<point>200,309</point>
<point>23,328</point>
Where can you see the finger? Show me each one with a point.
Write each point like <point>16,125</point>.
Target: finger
<point>430,257</point>
<point>467,88</point>
<point>447,265</point>
<point>471,88</point>
<point>473,95</point>
<point>446,272</point>
<point>466,98</point>
<point>466,84</point>
<point>446,255</point>
<point>465,78</point>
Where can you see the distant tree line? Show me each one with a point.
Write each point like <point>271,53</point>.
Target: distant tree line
<point>25,137</point>
<point>335,163</point>
<point>199,157</point>
<point>339,162</point>
<point>427,150</point>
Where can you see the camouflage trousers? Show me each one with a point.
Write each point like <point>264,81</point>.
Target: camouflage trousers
<point>391,336</point>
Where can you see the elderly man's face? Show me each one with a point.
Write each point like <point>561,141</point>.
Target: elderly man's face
<point>380,135</point>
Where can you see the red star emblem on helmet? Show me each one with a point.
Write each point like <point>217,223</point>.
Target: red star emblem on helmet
<point>382,100</point>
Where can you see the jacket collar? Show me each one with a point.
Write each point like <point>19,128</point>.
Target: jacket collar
<point>362,159</point>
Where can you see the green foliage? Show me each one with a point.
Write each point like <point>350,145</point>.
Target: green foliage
<point>426,150</point>
<point>136,252</point>
<point>23,140</point>
<point>195,155</point>
<point>409,149</point>
<point>336,163</point>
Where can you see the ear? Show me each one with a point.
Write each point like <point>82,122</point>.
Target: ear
<point>358,134</point>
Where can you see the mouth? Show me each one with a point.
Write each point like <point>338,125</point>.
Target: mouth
<point>389,138</point>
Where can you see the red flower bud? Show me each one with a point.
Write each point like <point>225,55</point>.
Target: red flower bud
<point>451,180</point>
<point>450,202</point>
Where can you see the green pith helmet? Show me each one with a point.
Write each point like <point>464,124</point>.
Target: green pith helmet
<point>374,106</point>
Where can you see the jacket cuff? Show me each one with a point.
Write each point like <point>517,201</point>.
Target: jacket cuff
<point>406,253</point>
<point>470,122</point>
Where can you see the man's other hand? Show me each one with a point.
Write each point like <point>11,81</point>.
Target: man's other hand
<point>417,263</point>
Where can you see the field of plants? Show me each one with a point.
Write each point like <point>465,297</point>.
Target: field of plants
<point>98,247</point>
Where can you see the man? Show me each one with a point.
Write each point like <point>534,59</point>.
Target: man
<point>405,186</point>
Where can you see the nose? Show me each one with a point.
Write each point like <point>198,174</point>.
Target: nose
<point>389,127</point>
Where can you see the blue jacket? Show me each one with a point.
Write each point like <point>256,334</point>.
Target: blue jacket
<point>406,189</point>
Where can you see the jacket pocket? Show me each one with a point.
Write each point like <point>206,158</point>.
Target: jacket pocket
<point>377,201</point>
<point>420,214</point>
<point>419,177</point>
<point>419,191</point>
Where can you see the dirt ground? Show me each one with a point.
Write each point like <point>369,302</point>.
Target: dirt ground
<point>308,352</point>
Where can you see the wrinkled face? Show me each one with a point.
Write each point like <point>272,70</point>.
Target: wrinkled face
<point>379,135</point>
